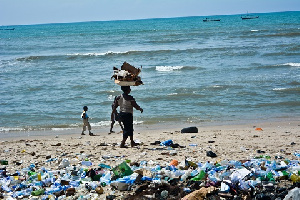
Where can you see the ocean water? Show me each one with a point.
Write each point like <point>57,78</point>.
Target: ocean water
<point>193,71</point>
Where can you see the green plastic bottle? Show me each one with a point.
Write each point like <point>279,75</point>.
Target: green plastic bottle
<point>200,176</point>
<point>4,162</point>
<point>38,192</point>
<point>270,176</point>
<point>31,173</point>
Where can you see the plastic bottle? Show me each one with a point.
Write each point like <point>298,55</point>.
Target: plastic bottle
<point>31,173</point>
<point>38,192</point>
<point>212,176</point>
<point>105,179</point>
<point>3,162</point>
<point>224,187</point>
<point>186,175</point>
<point>295,178</point>
<point>86,163</point>
<point>93,185</point>
<point>53,189</point>
<point>293,194</point>
<point>5,188</point>
<point>65,163</point>
<point>200,176</point>
<point>39,176</point>
<point>51,159</point>
<point>157,168</point>
<point>74,183</point>
<point>166,143</point>
<point>101,165</point>
<point>270,176</point>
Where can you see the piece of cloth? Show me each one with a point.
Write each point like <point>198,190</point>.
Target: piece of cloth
<point>127,119</point>
<point>86,123</point>
<point>125,106</point>
<point>84,115</point>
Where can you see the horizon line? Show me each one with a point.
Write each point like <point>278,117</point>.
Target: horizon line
<point>144,18</point>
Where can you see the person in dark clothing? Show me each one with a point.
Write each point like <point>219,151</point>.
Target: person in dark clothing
<point>126,103</point>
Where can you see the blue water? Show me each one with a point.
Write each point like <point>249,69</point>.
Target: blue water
<point>193,71</point>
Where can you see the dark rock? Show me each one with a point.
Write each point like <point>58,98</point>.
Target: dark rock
<point>192,129</point>
<point>174,145</point>
<point>155,143</point>
<point>262,196</point>
<point>211,154</point>
<point>111,197</point>
<point>141,188</point>
<point>70,191</point>
<point>260,151</point>
<point>138,179</point>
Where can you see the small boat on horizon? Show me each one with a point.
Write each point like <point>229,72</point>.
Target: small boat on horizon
<point>7,29</point>
<point>249,17</point>
<point>211,20</point>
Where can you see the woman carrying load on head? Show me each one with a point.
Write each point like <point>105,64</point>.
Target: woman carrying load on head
<point>126,103</point>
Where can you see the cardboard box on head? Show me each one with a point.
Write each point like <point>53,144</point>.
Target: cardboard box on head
<point>127,76</point>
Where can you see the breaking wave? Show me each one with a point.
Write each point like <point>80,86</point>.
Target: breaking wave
<point>293,64</point>
<point>168,68</point>
<point>294,89</point>
<point>107,123</point>
<point>173,68</point>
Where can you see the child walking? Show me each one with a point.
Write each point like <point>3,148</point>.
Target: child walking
<point>86,122</point>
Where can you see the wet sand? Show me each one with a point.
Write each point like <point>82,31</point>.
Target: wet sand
<point>231,142</point>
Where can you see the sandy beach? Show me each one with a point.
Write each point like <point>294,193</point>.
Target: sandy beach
<point>279,140</point>
<point>231,142</point>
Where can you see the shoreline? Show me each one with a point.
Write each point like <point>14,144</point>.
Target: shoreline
<point>164,126</point>
<point>246,140</point>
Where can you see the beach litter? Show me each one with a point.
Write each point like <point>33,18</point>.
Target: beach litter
<point>257,178</point>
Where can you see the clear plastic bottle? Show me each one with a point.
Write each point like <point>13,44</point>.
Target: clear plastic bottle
<point>86,163</point>
<point>106,178</point>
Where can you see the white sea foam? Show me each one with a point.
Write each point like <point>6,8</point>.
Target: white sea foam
<point>168,68</point>
<point>172,94</point>
<point>137,122</point>
<point>293,64</point>
<point>86,54</point>
<point>97,54</point>
<point>61,129</point>
<point>279,89</point>
<point>107,123</point>
<point>254,30</point>
<point>101,123</point>
<point>2,129</point>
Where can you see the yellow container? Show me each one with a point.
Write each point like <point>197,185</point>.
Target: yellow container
<point>295,178</point>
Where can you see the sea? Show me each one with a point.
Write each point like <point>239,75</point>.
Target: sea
<point>194,72</point>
